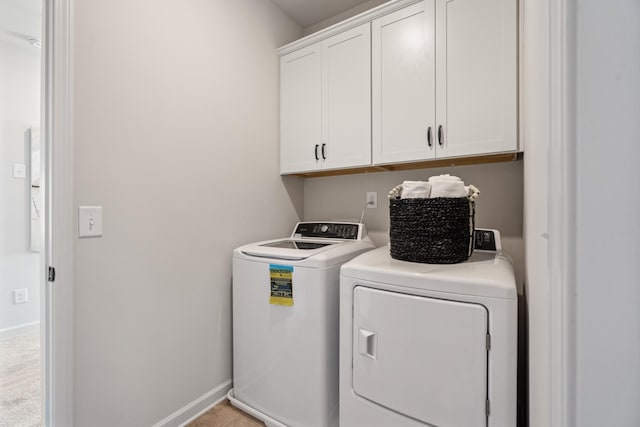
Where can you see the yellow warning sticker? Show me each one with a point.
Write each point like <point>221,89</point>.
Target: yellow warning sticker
<point>281,284</point>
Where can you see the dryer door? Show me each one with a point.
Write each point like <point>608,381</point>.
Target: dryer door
<point>421,357</point>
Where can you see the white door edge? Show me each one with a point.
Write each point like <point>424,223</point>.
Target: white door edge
<point>57,305</point>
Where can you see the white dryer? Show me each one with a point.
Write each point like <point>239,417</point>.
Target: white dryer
<point>427,344</point>
<point>285,323</point>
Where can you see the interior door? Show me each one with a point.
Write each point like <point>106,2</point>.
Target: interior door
<point>421,357</point>
<point>403,85</point>
<point>476,62</point>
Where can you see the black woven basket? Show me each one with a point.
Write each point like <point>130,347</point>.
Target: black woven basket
<point>433,231</point>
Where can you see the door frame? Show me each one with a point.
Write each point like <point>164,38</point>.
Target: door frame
<point>562,204</point>
<point>57,305</point>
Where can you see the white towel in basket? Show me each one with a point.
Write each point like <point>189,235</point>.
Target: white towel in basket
<point>444,177</point>
<point>437,186</point>
<point>415,190</point>
<point>442,188</point>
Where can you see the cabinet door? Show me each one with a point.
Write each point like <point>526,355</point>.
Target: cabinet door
<point>403,85</point>
<point>300,110</point>
<point>346,82</point>
<point>476,76</point>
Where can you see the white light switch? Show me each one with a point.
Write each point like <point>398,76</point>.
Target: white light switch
<point>19,170</point>
<point>90,221</point>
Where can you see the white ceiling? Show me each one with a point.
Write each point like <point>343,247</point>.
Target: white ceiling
<point>20,19</point>
<point>310,12</point>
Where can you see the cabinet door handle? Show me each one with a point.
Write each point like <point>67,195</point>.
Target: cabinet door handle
<point>440,136</point>
<point>429,137</point>
<point>323,156</point>
<point>316,152</point>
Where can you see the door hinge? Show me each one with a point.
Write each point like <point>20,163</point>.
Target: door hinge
<point>51,276</point>
<point>488,342</point>
<point>488,408</point>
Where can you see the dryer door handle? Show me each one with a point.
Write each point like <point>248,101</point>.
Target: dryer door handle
<point>368,343</point>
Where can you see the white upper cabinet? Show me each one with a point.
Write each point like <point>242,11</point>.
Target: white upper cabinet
<point>301,109</point>
<point>444,80</point>
<point>476,90</point>
<point>325,104</point>
<point>405,82</point>
<point>403,77</point>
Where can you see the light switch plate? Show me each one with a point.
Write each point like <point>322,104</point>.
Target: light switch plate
<point>19,170</point>
<point>90,221</point>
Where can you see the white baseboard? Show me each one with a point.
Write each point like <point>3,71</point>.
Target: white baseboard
<point>14,328</point>
<point>197,407</point>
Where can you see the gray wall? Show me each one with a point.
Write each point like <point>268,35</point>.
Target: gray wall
<point>176,136</point>
<point>607,211</point>
<point>19,110</point>
<point>500,204</point>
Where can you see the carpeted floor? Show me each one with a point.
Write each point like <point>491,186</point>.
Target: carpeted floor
<point>20,377</point>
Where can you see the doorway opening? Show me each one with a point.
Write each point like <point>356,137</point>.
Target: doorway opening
<point>21,213</point>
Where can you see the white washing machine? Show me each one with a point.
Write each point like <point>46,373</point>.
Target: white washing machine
<point>429,344</point>
<point>285,323</point>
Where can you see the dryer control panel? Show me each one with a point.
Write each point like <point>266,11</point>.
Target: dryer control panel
<point>486,240</point>
<point>328,230</point>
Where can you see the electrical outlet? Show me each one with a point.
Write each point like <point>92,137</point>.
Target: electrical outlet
<point>372,199</point>
<point>20,296</point>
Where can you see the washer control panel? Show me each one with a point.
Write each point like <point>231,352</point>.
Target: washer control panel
<point>328,230</point>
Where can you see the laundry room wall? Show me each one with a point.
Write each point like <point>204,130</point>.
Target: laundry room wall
<point>607,273</point>
<point>19,110</point>
<point>500,204</point>
<point>176,136</point>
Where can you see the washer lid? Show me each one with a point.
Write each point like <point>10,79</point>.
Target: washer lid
<point>289,249</point>
<point>485,274</point>
<point>312,244</point>
<point>304,245</point>
<point>326,254</point>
